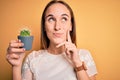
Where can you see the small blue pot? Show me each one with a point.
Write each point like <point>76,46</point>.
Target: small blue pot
<point>27,40</point>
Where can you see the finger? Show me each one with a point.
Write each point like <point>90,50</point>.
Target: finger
<point>12,56</point>
<point>68,53</point>
<point>69,37</point>
<point>61,44</point>
<point>69,50</point>
<point>15,41</point>
<point>16,50</point>
<point>16,45</point>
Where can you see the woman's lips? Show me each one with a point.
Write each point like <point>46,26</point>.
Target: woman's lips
<point>58,34</point>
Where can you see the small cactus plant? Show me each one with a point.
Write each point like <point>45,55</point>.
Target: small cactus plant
<point>25,32</point>
<point>26,37</point>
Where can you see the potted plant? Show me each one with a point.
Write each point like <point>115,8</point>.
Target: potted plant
<point>26,38</point>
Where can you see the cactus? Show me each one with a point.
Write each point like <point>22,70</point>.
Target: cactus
<point>25,32</point>
<point>26,38</point>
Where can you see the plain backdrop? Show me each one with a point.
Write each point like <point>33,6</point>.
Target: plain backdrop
<point>98,30</point>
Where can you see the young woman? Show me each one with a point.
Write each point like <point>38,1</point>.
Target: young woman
<point>58,58</point>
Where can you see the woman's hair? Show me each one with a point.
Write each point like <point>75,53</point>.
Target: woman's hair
<point>44,39</point>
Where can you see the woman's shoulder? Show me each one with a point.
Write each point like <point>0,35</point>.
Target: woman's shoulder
<point>85,55</point>
<point>35,54</point>
<point>84,52</point>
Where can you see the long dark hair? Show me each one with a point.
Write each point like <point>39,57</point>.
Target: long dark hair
<point>44,39</point>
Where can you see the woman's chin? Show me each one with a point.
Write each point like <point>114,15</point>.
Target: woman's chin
<point>59,42</point>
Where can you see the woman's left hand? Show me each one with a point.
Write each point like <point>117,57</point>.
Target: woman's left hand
<point>71,50</point>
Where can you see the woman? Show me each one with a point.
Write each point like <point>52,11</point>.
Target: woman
<point>58,59</point>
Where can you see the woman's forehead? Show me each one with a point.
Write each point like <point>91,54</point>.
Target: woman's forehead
<point>57,9</point>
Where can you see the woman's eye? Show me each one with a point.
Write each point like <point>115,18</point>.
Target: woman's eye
<point>51,19</point>
<point>64,19</point>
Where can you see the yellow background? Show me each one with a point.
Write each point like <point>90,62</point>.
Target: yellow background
<point>98,30</point>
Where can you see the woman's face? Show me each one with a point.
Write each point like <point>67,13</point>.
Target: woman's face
<point>57,23</point>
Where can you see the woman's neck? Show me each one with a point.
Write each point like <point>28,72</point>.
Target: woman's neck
<point>54,50</point>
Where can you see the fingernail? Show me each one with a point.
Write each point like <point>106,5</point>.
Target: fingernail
<point>23,49</point>
<point>19,40</point>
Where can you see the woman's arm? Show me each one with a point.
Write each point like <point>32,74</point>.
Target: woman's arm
<point>80,70</point>
<point>82,74</point>
<point>16,73</point>
<point>72,54</point>
<point>88,64</point>
<point>15,57</point>
<point>93,77</point>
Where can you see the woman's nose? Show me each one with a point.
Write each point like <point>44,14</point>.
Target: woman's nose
<point>57,25</point>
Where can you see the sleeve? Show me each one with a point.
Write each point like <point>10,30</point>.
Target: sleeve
<point>90,64</point>
<point>26,72</point>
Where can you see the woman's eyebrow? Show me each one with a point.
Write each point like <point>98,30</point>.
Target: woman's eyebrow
<point>51,15</point>
<point>48,16</point>
<point>65,15</point>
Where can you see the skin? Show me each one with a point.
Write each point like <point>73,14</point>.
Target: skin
<point>57,23</point>
<point>57,27</point>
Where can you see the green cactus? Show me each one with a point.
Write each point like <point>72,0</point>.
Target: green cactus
<point>25,32</point>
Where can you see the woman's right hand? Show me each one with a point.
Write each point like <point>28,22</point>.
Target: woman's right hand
<point>15,54</point>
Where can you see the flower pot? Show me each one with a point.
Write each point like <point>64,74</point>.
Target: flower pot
<point>27,40</point>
